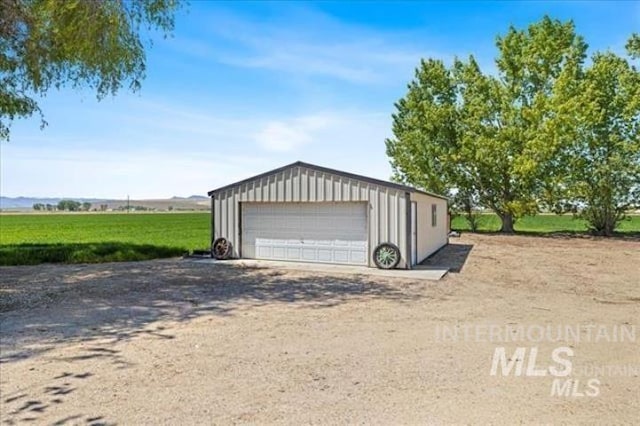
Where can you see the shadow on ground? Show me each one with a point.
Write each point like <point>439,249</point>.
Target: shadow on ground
<point>27,406</point>
<point>452,256</point>
<point>119,301</point>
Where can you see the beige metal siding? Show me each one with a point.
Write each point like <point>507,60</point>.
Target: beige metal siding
<point>430,238</point>
<point>387,215</point>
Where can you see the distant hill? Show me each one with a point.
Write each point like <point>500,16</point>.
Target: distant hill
<point>193,202</point>
<point>191,197</point>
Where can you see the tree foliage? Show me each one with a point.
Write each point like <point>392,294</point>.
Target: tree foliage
<point>47,44</point>
<point>603,171</point>
<point>505,140</point>
<point>69,205</point>
<point>633,46</point>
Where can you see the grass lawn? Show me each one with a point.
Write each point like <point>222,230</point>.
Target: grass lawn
<point>104,237</point>
<point>543,223</point>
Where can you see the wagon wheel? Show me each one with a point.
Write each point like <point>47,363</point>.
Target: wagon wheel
<point>386,256</point>
<point>221,249</point>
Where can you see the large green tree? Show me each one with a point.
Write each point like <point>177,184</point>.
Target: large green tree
<point>492,137</point>
<point>602,179</point>
<point>52,43</point>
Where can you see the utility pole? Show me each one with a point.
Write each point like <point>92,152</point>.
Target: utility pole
<point>127,203</point>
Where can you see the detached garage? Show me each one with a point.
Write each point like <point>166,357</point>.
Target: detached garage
<point>307,213</point>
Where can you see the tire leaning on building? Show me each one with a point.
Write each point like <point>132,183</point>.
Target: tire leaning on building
<point>386,256</point>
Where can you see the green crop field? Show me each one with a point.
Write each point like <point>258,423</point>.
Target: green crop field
<point>543,223</point>
<point>29,239</point>
<point>77,238</point>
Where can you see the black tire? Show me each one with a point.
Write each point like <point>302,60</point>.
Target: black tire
<point>386,256</point>
<point>221,249</point>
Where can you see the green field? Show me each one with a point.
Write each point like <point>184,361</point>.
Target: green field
<point>543,223</point>
<point>29,239</point>
<point>102,237</point>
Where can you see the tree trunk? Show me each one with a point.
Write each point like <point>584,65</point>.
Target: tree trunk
<point>507,223</point>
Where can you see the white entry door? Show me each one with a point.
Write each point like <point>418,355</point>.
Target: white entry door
<point>305,232</point>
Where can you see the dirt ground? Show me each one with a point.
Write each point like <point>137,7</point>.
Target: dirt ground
<point>178,342</point>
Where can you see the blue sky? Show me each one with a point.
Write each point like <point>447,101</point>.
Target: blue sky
<point>245,87</point>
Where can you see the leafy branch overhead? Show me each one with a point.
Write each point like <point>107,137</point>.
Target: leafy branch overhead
<point>512,141</point>
<point>48,44</point>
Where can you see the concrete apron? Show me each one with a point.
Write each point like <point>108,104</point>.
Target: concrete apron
<point>418,273</point>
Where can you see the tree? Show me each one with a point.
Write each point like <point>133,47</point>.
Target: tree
<point>603,179</point>
<point>495,138</point>
<point>69,205</point>
<point>86,206</point>
<point>48,43</point>
<point>633,46</point>
<point>466,205</point>
<point>38,206</point>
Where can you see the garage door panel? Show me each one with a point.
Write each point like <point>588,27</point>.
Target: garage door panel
<point>341,256</point>
<point>324,255</point>
<point>309,254</point>
<point>313,232</point>
<point>325,243</point>
<point>293,253</point>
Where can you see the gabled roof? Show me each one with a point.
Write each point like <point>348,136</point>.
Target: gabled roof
<point>327,170</point>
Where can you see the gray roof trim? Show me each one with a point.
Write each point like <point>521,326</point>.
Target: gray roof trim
<point>373,181</point>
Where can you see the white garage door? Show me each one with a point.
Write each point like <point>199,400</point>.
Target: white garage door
<point>305,232</point>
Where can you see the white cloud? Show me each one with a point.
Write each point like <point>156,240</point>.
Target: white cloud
<point>285,136</point>
<point>278,136</point>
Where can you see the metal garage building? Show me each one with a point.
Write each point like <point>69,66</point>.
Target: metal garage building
<point>303,212</point>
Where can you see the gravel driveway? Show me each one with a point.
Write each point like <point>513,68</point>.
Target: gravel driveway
<point>179,342</point>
